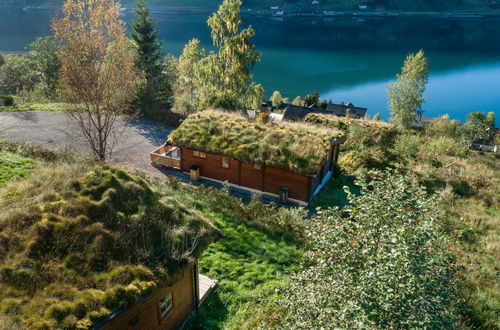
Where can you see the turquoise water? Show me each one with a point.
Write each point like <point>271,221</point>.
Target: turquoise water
<point>345,59</point>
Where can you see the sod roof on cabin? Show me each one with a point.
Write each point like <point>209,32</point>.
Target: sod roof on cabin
<point>343,123</point>
<point>77,245</point>
<point>296,147</point>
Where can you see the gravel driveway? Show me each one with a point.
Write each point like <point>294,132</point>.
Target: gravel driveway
<point>53,130</point>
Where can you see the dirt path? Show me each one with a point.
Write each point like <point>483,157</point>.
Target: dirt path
<point>54,130</point>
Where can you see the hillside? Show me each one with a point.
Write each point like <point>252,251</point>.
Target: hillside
<point>52,195</point>
<point>306,5</point>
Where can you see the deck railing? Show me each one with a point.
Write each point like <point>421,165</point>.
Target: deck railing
<point>166,155</point>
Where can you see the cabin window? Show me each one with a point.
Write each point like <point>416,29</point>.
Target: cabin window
<point>199,154</point>
<point>256,166</point>
<point>225,162</point>
<point>166,305</point>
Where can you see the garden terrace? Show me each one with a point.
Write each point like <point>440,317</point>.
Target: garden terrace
<point>79,242</point>
<point>296,147</point>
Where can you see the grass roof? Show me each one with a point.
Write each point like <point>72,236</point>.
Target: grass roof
<point>343,123</point>
<point>78,243</point>
<point>297,147</point>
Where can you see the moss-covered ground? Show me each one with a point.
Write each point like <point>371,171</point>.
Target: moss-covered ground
<point>79,241</point>
<point>262,244</point>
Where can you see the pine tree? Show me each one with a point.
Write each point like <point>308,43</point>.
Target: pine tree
<point>406,95</point>
<point>150,59</point>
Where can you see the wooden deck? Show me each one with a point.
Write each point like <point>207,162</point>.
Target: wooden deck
<point>166,155</point>
<point>207,285</point>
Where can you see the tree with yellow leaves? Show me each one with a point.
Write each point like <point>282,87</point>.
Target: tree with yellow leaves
<point>98,73</point>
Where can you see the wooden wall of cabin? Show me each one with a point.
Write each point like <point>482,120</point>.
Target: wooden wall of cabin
<point>266,179</point>
<point>211,166</point>
<point>146,315</point>
<point>274,178</point>
<point>251,177</point>
<point>332,158</point>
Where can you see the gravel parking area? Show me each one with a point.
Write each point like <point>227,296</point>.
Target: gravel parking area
<point>135,139</point>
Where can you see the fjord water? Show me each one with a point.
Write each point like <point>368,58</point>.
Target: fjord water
<point>345,59</point>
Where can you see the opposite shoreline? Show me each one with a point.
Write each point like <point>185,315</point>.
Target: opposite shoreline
<point>297,14</point>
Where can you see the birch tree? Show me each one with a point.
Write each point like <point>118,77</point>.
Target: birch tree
<point>406,95</point>
<point>98,73</point>
<point>226,74</point>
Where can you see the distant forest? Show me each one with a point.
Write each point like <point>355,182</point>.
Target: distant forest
<point>346,5</point>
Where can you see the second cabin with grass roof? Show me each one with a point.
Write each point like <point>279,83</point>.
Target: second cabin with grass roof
<point>290,161</point>
<point>91,247</point>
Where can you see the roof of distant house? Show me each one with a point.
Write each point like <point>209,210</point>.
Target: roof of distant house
<point>296,112</point>
<point>421,121</point>
<point>296,147</point>
<point>341,110</point>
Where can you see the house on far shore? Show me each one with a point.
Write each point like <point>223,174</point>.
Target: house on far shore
<point>283,160</point>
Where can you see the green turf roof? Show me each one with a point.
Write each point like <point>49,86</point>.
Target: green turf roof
<point>77,245</point>
<point>343,123</point>
<point>297,147</point>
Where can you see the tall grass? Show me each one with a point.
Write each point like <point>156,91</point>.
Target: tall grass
<point>262,244</point>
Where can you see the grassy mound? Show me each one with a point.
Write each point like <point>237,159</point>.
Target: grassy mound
<point>297,147</point>
<point>78,243</point>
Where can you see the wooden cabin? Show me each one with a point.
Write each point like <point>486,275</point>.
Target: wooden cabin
<point>288,161</point>
<point>167,308</point>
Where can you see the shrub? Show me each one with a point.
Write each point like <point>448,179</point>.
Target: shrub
<point>443,145</point>
<point>443,127</point>
<point>407,146</point>
<point>263,117</point>
<point>6,100</point>
<point>379,262</point>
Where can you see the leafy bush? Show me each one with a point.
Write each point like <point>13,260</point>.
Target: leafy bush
<point>6,100</point>
<point>443,145</point>
<point>379,262</point>
<point>443,127</point>
<point>407,146</point>
<point>263,117</point>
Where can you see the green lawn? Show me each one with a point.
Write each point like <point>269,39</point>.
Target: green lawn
<point>55,107</point>
<point>13,166</point>
<point>333,193</point>
<point>249,263</point>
